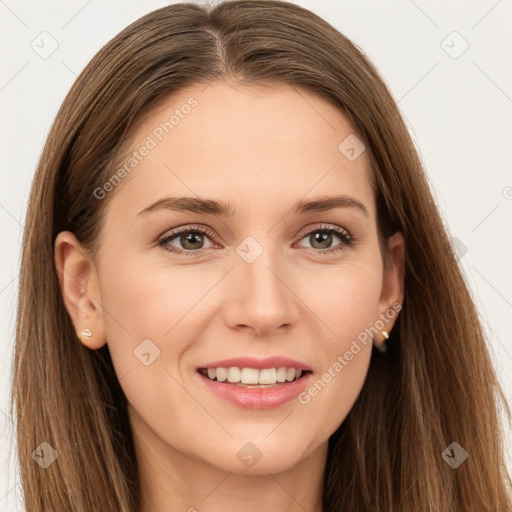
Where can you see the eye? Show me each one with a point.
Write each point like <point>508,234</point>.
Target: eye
<point>190,238</point>
<point>322,238</point>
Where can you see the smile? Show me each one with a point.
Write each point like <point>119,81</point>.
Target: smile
<point>268,393</point>
<point>252,377</point>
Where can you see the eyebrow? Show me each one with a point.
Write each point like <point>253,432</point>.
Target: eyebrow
<point>212,207</point>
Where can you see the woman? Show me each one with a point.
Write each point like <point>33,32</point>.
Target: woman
<point>237,290</point>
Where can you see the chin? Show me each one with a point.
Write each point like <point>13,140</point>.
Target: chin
<point>259,456</point>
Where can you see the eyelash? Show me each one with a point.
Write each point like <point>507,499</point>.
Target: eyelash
<point>347,239</point>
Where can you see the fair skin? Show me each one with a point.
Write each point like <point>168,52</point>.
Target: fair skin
<point>261,151</point>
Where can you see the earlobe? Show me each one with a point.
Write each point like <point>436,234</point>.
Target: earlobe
<point>80,291</point>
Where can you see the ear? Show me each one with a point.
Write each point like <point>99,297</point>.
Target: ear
<point>393,283</point>
<point>80,290</point>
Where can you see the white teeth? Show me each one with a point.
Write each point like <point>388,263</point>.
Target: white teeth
<point>249,376</point>
<point>267,376</point>
<point>290,374</point>
<point>221,374</point>
<point>253,376</point>
<point>233,374</point>
<point>281,374</point>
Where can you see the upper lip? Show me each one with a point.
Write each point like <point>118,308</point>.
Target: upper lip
<point>260,364</point>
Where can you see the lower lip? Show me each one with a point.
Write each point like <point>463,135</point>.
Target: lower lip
<point>257,398</point>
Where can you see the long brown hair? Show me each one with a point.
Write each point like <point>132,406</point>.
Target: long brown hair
<point>436,385</point>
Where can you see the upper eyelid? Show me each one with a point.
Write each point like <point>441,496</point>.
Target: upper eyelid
<point>323,227</point>
<point>190,227</point>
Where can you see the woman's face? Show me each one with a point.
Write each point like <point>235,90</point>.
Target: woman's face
<point>270,278</point>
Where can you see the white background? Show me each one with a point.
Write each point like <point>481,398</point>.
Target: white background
<point>459,112</point>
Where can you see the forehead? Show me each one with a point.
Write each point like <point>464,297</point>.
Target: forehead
<point>243,145</point>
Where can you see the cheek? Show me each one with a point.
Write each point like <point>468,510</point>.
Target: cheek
<point>147,300</point>
<point>346,302</point>
<point>155,302</point>
<point>348,309</point>
<point>133,300</point>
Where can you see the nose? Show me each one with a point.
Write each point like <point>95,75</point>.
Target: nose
<point>261,297</point>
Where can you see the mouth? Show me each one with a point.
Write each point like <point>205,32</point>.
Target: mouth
<point>253,377</point>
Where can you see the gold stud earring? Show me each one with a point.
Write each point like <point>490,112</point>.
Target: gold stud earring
<point>382,347</point>
<point>85,334</point>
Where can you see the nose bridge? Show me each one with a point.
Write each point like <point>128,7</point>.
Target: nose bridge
<point>261,299</point>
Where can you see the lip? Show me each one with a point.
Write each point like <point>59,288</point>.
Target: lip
<point>259,364</point>
<point>257,398</point>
